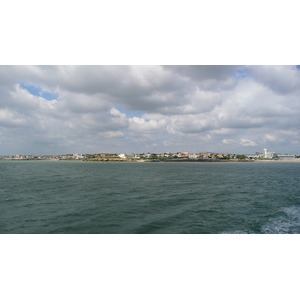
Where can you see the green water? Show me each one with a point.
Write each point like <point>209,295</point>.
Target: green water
<point>203,198</point>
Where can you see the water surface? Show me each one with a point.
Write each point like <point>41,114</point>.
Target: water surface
<point>203,198</point>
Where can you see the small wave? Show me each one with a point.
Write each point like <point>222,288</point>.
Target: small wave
<point>287,222</point>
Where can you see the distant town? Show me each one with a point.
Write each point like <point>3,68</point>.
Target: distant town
<point>157,157</point>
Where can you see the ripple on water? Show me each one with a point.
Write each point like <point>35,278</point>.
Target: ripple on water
<point>58,197</point>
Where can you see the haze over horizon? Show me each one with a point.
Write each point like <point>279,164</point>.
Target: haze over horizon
<point>94,109</point>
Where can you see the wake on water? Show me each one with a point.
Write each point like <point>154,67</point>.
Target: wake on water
<point>287,222</point>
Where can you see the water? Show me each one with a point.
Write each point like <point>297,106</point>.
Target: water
<point>203,198</point>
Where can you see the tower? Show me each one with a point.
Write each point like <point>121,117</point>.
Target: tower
<point>265,151</point>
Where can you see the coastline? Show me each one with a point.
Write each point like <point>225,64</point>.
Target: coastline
<point>112,160</point>
<point>280,161</point>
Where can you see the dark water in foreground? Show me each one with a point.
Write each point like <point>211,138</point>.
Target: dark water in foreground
<point>81,197</point>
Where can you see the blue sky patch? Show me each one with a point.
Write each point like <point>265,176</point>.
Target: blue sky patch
<point>129,113</point>
<point>240,74</point>
<point>37,91</point>
<point>135,113</point>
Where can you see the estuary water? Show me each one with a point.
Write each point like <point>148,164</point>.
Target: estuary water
<point>41,197</point>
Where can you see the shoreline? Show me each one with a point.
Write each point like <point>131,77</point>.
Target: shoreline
<point>278,161</point>
<point>162,161</point>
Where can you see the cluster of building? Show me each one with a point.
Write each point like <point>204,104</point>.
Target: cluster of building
<point>167,155</point>
<point>271,155</point>
<point>43,157</point>
<point>211,155</point>
<point>187,155</point>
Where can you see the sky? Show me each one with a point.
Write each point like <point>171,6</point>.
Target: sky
<point>57,109</point>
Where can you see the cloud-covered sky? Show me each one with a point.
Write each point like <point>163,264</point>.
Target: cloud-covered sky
<point>93,109</point>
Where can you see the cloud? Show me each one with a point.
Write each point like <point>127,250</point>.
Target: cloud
<point>125,108</point>
<point>271,137</point>
<point>9,119</point>
<point>112,134</point>
<point>142,125</point>
<point>281,79</point>
<point>288,132</point>
<point>200,73</point>
<point>247,143</point>
<point>228,141</point>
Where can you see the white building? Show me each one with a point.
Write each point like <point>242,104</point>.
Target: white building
<point>286,156</point>
<point>267,154</point>
<point>123,155</point>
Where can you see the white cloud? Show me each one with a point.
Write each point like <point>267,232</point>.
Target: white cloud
<point>142,125</point>
<point>228,141</point>
<point>247,143</point>
<point>281,79</point>
<point>288,132</point>
<point>10,118</point>
<point>270,137</point>
<point>112,134</point>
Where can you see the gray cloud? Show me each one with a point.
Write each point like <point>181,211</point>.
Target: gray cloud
<point>281,79</point>
<point>201,73</point>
